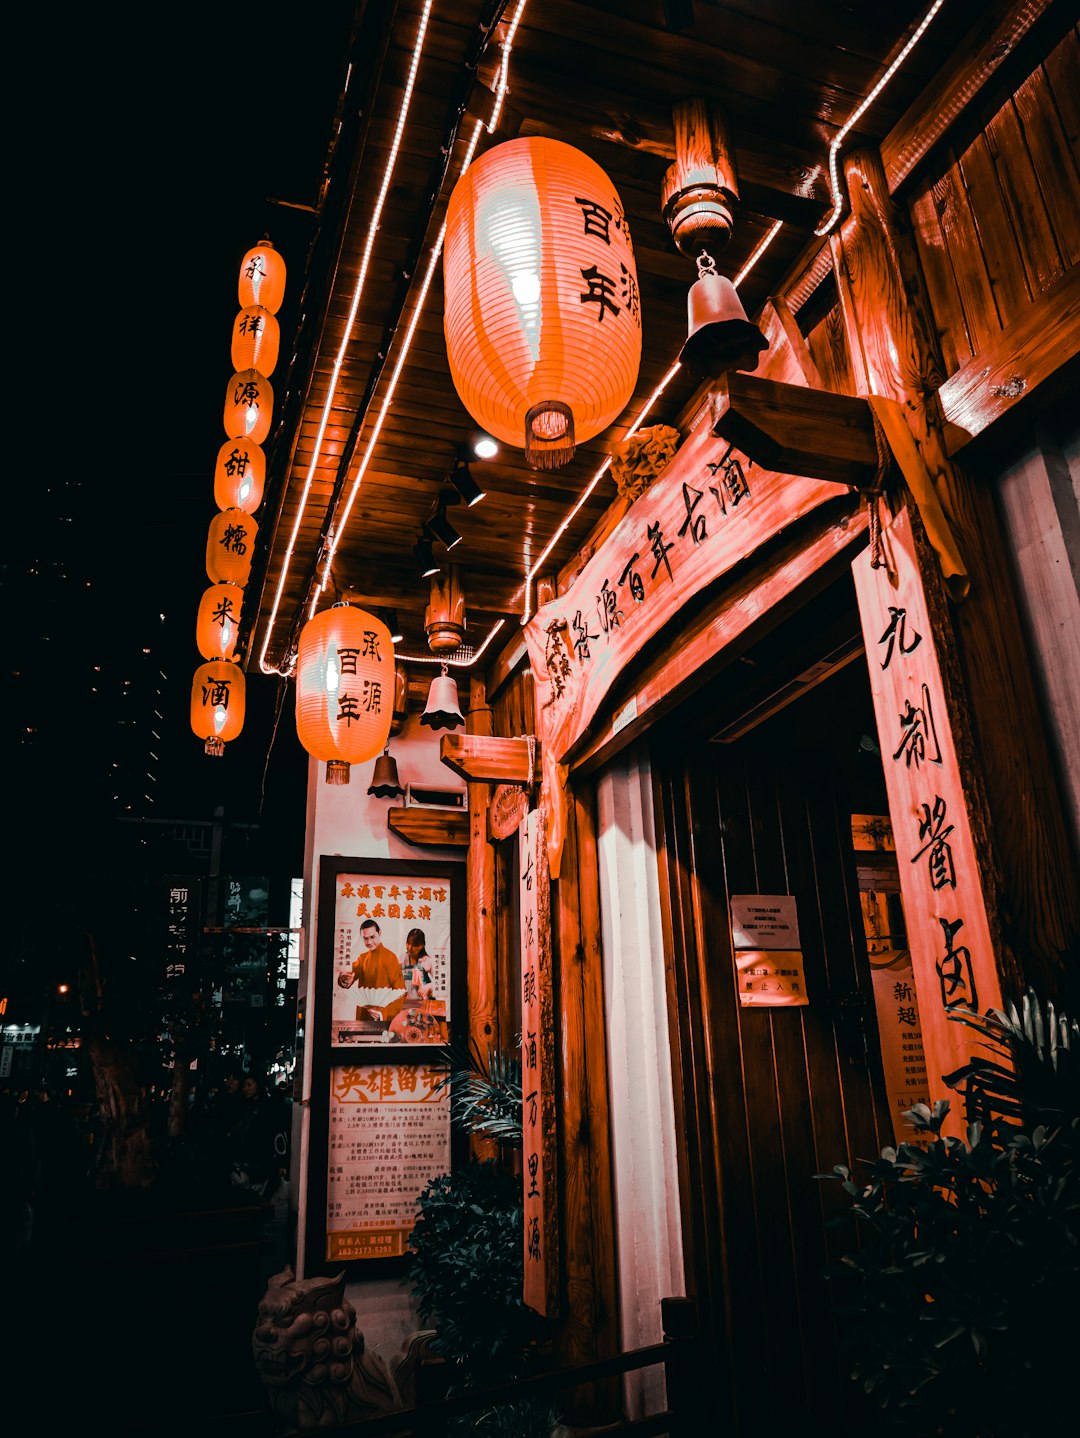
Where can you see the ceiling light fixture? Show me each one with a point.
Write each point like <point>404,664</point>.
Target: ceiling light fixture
<point>439,527</point>
<point>484,447</point>
<point>425,558</point>
<point>462,480</point>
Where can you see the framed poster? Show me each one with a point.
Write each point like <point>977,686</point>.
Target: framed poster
<point>392,951</point>
<point>389,987</point>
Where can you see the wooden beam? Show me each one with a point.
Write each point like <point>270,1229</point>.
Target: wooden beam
<point>794,430</point>
<point>480,916</point>
<point>893,346</point>
<point>1015,365</point>
<point>482,759</point>
<point>418,825</point>
<point>998,30</point>
<point>806,563</point>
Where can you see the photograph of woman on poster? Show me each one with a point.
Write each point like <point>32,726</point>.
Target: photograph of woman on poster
<point>392,974</point>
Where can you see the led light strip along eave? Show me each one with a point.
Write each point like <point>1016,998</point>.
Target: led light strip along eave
<point>358,289</point>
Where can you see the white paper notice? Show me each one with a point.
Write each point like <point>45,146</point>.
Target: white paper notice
<point>764,921</point>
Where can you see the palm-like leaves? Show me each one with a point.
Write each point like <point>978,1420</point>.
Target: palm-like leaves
<point>485,1091</point>
<point>1034,1074</point>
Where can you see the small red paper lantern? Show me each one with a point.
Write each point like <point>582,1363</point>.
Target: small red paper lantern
<point>218,622</point>
<point>344,688</point>
<point>239,475</point>
<point>256,338</point>
<point>542,313</point>
<point>229,547</point>
<point>217,704</point>
<point>249,404</point>
<point>262,278</point>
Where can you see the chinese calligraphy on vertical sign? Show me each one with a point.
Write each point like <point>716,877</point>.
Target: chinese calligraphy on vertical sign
<point>768,957</point>
<point>941,878</point>
<point>391,959</point>
<point>389,1134</point>
<point>182,918</point>
<point>538,1099</point>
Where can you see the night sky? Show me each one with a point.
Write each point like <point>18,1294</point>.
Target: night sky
<point>161,136</point>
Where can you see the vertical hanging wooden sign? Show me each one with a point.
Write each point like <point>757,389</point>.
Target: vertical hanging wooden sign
<point>537,1069</point>
<point>933,801</point>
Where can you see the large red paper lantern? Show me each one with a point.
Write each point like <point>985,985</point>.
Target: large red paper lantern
<point>218,622</point>
<point>256,338</point>
<point>542,313</point>
<point>217,704</point>
<point>344,688</point>
<point>239,475</point>
<point>249,404</point>
<point>229,547</point>
<point>262,278</point>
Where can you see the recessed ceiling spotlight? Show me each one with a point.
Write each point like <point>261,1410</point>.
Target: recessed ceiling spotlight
<point>484,447</point>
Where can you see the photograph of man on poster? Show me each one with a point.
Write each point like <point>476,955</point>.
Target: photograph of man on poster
<point>391,973</point>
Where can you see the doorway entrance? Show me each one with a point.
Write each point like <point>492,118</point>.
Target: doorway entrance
<point>776,1051</point>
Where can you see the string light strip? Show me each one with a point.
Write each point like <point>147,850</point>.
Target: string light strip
<point>339,526</point>
<point>358,289</point>
<point>642,414</point>
<point>834,149</point>
<point>454,663</point>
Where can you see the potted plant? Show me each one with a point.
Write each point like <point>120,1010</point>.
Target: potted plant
<point>963,1295</point>
<point>466,1250</point>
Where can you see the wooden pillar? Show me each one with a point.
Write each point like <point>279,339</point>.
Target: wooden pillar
<point>480,891</point>
<point>590,1325</point>
<point>894,353</point>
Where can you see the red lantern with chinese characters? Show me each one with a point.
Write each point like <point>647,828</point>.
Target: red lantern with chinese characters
<point>217,704</point>
<point>256,337</point>
<point>542,313</point>
<point>344,688</point>
<point>218,623</point>
<point>262,278</point>
<point>249,404</point>
<point>229,547</point>
<point>239,475</point>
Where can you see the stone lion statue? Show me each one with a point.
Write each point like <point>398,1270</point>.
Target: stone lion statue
<point>312,1361</point>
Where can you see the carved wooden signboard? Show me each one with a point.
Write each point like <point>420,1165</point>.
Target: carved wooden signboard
<point>932,803</point>
<point>709,509</point>
<point>537,1070</point>
<point>509,805</point>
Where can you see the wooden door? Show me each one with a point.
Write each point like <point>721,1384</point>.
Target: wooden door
<point>769,1096</point>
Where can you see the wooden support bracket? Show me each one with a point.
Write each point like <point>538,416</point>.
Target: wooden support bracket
<point>484,760</point>
<point>791,429</point>
<point>418,825</point>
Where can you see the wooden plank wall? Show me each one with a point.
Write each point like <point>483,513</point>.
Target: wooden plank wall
<point>765,1098</point>
<point>996,224</point>
<point>589,1312</point>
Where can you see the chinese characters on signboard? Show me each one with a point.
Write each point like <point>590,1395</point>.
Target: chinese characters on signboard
<point>940,876</point>
<point>391,959</point>
<point>389,1135</point>
<point>768,957</point>
<point>537,1065</point>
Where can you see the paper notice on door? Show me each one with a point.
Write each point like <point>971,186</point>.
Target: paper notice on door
<point>764,921</point>
<point>771,978</point>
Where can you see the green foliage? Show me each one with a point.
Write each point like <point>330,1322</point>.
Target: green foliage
<point>485,1093</point>
<point>466,1270</point>
<point>466,1264</point>
<point>963,1315</point>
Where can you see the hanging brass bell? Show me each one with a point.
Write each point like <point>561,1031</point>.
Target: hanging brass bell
<point>442,710</point>
<point>720,337</point>
<point>384,777</point>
